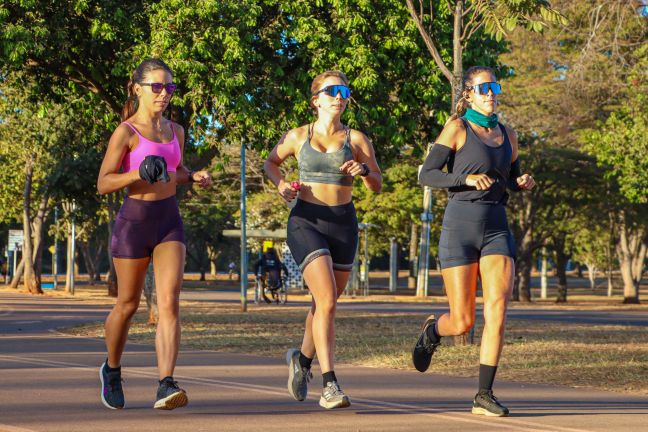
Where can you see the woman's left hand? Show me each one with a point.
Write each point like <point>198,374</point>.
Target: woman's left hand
<point>352,168</point>
<point>526,182</point>
<point>202,178</point>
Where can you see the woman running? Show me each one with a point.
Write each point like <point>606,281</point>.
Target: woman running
<point>144,155</point>
<point>322,227</point>
<point>481,156</point>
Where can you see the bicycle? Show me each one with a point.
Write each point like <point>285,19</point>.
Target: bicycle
<point>277,291</point>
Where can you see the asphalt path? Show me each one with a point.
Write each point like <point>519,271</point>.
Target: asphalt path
<point>50,382</point>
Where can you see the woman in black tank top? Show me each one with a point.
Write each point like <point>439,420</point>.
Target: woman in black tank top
<point>481,159</point>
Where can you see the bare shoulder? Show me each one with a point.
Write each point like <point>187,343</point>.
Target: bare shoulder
<point>295,137</point>
<point>455,126</point>
<point>178,129</point>
<point>453,134</point>
<point>357,137</point>
<point>122,136</point>
<point>511,133</point>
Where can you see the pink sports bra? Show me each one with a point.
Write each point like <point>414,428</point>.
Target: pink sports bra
<point>169,151</point>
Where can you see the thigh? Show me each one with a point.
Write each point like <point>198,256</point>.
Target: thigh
<point>496,272</point>
<point>130,278</point>
<point>320,279</point>
<point>341,279</point>
<point>461,288</point>
<point>168,266</point>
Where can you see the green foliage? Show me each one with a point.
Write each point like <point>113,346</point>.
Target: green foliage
<point>620,144</point>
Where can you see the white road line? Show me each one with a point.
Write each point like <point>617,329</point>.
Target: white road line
<point>504,423</point>
<point>8,428</point>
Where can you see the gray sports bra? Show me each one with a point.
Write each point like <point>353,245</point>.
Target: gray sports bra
<point>318,167</point>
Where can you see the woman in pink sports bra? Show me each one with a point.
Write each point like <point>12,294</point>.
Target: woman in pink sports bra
<point>144,155</point>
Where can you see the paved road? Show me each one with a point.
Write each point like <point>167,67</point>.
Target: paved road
<point>610,317</point>
<point>49,383</point>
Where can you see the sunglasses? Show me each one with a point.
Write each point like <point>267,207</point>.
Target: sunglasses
<point>157,87</point>
<point>334,90</point>
<point>482,89</point>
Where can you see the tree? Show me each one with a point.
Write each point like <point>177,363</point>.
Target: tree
<point>470,18</point>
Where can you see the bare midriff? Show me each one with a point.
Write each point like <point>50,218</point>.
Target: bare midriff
<point>142,190</point>
<point>325,194</point>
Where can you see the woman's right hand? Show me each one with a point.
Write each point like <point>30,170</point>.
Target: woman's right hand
<point>479,181</point>
<point>287,192</point>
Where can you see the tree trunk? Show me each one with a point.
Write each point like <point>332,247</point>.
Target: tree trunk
<point>32,281</point>
<point>212,254</point>
<point>591,275</point>
<point>457,54</point>
<point>112,274</point>
<point>85,253</point>
<point>20,269</point>
<point>561,272</point>
<point>631,251</point>
<point>523,276</point>
<point>579,270</point>
<point>413,254</point>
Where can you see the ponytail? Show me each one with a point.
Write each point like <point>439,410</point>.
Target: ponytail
<point>132,102</point>
<point>130,107</point>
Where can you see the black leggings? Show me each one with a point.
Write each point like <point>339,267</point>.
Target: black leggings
<point>315,230</point>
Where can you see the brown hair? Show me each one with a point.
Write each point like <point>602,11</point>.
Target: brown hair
<point>319,79</point>
<point>148,65</point>
<point>466,81</point>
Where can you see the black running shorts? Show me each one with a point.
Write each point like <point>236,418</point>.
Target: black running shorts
<point>315,230</point>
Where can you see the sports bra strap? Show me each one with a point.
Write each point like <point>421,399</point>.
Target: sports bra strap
<point>132,128</point>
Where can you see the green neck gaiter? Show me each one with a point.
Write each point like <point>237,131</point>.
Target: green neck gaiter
<point>478,118</point>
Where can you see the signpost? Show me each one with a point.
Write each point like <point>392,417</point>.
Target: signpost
<point>16,240</point>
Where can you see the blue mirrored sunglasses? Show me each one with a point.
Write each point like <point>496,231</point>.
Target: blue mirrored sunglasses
<point>334,90</point>
<point>482,89</point>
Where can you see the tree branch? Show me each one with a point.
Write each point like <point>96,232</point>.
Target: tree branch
<point>429,42</point>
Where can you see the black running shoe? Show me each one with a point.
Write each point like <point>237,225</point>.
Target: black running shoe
<point>170,396</point>
<point>422,354</point>
<point>112,394</point>
<point>486,403</point>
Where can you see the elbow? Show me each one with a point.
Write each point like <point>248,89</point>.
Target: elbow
<point>101,188</point>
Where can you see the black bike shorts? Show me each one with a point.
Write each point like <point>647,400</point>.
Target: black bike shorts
<point>315,230</point>
<point>472,230</point>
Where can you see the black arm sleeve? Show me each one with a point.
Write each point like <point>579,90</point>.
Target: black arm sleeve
<point>513,175</point>
<point>431,174</point>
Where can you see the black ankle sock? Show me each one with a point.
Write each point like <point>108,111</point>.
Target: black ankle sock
<point>109,369</point>
<point>432,334</point>
<point>486,377</point>
<point>328,377</point>
<point>304,361</point>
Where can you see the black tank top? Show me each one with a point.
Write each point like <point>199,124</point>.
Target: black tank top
<point>475,157</point>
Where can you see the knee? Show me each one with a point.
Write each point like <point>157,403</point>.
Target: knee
<point>495,313</point>
<point>462,324</point>
<point>168,306</point>
<point>326,306</point>
<point>126,309</point>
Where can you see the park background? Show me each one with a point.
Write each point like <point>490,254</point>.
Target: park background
<point>575,87</point>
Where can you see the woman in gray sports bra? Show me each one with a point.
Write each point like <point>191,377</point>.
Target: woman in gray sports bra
<point>322,227</point>
<point>480,155</point>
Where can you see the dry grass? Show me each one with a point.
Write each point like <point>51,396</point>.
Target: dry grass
<point>604,357</point>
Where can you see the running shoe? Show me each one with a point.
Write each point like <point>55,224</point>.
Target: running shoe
<point>422,353</point>
<point>486,403</point>
<point>333,396</point>
<point>170,396</point>
<point>298,376</point>
<point>112,394</point>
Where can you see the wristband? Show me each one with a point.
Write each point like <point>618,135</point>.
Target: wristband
<point>365,170</point>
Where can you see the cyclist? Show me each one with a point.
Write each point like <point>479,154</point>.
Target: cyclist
<point>269,269</point>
